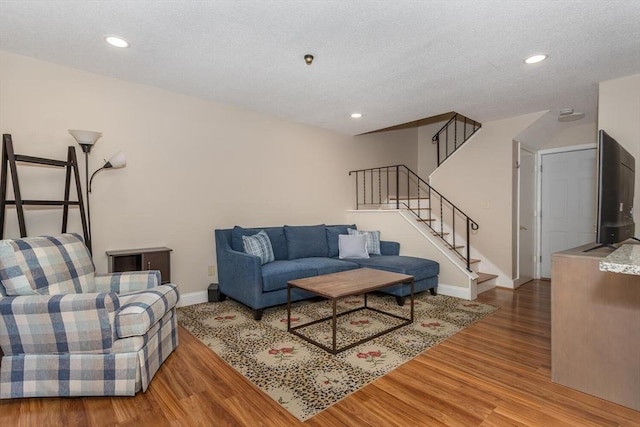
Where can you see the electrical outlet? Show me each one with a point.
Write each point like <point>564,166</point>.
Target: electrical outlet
<point>212,270</point>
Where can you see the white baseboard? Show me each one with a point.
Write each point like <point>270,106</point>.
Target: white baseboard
<point>193,298</point>
<point>485,286</point>
<point>454,291</point>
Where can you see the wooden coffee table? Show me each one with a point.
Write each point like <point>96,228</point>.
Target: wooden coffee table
<point>347,283</point>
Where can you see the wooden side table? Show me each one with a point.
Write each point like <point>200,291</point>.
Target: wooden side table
<point>140,260</point>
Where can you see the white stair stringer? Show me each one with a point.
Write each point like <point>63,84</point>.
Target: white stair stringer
<point>434,227</point>
<point>487,266</point>
<point>416,240</point>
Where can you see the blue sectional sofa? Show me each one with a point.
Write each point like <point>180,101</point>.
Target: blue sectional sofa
<point>304,251</point>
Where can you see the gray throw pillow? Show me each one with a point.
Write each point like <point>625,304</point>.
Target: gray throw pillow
<point>373,240</point>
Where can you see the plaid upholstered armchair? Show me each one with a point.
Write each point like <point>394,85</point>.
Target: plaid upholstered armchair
<point>66,331</point>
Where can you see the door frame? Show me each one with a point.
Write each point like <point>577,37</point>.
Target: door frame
<point>538,244</point>
<point>536,159</point>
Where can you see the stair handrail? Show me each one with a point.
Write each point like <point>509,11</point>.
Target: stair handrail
<point>446,125</point>
<point>445,128</point>
<point>470,223</point>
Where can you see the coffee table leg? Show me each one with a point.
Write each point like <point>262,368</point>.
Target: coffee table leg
<point>333,325</point>
<point>412,283</point>
<point>288,307</point>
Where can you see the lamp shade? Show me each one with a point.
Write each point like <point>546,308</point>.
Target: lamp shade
<point>86,137</point>
<point>117,161</point>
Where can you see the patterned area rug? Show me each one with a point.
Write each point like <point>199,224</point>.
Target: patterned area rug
<point>306,379</point>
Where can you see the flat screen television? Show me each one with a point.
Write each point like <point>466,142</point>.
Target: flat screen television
<point>616,180</point>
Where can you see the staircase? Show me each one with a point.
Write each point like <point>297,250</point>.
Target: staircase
<point>398,187</point>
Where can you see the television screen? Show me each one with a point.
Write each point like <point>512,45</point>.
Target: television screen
<point>616,179</point>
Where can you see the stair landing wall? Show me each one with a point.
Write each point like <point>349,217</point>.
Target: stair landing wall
<point>480,178</point>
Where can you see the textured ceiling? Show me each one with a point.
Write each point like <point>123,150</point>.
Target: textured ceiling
<point>395,61</point>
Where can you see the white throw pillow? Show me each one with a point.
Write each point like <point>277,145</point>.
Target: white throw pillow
<point>352,246</point>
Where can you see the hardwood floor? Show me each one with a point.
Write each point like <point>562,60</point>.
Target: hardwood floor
<point>494,373</point>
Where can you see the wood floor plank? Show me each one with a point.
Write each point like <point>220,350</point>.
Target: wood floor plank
<point>494,373</point>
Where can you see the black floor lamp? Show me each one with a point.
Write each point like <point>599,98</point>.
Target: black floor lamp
<point>86,139</point>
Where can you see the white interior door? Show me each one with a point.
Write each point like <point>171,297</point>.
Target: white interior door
<point>526,216</point>
<point>568,202</point>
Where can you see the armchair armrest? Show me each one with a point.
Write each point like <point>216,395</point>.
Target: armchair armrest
<point>41,324</point>
<point>129,281</point>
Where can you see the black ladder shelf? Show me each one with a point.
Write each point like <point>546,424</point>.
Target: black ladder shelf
<point>9,159</point>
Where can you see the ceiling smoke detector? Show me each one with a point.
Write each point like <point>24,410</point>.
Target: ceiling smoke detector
<point>567,115</point>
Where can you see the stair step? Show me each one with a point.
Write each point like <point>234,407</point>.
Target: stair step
<point>456,247</point>
<point>483,277</point>
<point>473,261</point>
<point>425,219</point>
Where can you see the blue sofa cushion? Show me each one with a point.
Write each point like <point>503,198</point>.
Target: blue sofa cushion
<point>419,268</point>
<point>325,265</point>
<point>275,275</point>
<point>306,241</point>
<point>276,236</point>
<point>333,231</point>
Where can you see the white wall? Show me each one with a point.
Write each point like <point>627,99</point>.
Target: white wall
<point>478,179</point>
<point>619,116</point>
<point>192,166</point>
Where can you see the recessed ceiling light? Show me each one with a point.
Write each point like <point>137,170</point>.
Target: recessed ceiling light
<point>116,41</point>
<point>534,59</point>
<point>356,115</point>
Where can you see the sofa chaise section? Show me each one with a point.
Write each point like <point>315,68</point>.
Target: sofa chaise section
<point>424,272</point>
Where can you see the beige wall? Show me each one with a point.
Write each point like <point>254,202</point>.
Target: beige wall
<point>478,179</point>
<point>192,166</point>
<point>619,116</point>
<point>427,150</point>
<point>579,134</point>
<point>548,133</point>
